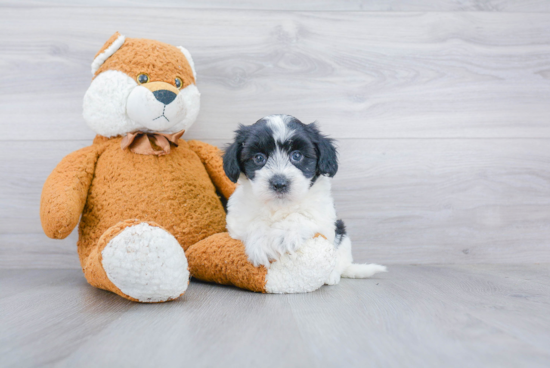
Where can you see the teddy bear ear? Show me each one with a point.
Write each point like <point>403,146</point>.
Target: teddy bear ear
<point>110,47</point>
<point>189,60</point>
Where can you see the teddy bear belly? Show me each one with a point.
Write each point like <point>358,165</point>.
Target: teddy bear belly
<point>173,191</point>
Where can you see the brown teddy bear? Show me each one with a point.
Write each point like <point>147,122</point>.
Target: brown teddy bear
<point>147,200</point>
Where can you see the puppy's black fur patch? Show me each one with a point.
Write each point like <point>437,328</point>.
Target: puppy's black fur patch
<point>327,155</point>
<point>340,232</point>
<point>319,152</point>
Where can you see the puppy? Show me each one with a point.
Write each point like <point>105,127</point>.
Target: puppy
<point>284,170</point>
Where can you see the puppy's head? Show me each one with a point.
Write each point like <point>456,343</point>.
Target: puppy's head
<point>280,156</point>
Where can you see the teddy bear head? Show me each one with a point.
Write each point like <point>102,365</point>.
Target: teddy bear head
<point>141,85</point>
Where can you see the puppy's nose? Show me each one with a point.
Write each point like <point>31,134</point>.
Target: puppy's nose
<point>164,96</point>
<point>279,184</point>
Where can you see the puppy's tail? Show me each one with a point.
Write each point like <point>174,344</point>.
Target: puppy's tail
<point>346,267</point>
<point>362,271</point>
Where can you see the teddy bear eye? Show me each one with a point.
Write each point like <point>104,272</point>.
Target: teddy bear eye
<point>142,78</point>
<point>178,82</point>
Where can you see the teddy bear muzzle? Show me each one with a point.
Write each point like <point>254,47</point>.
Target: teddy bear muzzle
<point>164,93</point>
<point>155,106</point>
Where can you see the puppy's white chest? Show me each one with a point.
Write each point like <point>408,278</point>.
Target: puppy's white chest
<point>270,231</point>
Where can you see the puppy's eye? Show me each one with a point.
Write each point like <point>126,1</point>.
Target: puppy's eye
<point>178,82</point>
<point>142,78</point>
<point>259,159</point>
<point>296,156</point>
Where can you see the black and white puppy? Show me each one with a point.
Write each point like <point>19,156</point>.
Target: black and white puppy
<point>284,170</point>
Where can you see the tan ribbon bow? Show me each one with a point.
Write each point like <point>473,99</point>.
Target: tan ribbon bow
<point>145,143</point>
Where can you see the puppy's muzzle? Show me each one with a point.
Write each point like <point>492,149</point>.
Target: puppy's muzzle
<point>279,184</point>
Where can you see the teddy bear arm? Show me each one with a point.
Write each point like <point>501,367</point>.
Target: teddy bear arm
<point>211,158</point>
<point>65,191</point>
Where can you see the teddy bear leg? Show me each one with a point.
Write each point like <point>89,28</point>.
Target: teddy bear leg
<point>139,261</point>
<point>222,259</point>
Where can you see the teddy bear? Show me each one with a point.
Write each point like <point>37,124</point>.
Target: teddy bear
<point>148,202</point>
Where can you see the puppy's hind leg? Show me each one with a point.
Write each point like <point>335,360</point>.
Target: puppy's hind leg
<point>351,270</point>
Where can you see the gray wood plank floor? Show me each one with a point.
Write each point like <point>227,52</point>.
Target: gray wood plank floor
<point>413,316</point>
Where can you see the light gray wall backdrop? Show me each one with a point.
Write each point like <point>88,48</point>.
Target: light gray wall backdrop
<point>441,110</point>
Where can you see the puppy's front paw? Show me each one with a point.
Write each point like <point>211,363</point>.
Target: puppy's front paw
<point>258,255</point>
<point>267,246</point>
<point>259,260</point>
<point>292,241</point>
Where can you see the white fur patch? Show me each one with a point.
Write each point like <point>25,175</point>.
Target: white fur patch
<point>304,271</point>
<point>279,164</point>
<point>146,263</point>
<point>344,259</point>
<point>278,124</point>
<point>185,109</point>
<point>153,115</point>
<point>115,105</point>
<point>100,59</point>
<point>270,229</point>
<point>187,55</point>
<point>104,106</point>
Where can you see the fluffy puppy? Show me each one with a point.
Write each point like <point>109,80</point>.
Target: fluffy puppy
<point>284,170</point>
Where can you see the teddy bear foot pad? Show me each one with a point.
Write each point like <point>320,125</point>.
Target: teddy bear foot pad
<point>146,263</point>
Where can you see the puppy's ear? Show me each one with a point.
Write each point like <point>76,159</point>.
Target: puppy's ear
<point>231,162</point>
<point>231,157</point>
<point>327,159</point>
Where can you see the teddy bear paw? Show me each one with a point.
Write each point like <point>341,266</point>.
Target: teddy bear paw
<point>146,263</point>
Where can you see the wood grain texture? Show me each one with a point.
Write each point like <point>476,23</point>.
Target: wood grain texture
<point>423,316</point>
<point>441,109</point>
<point>403,201</point>
<point>442,117</point>
<point>363,75</point>
<point>35,250</point>
<point>311,5</point>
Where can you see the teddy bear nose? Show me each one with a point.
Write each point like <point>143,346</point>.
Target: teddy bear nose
<point>164,96</point>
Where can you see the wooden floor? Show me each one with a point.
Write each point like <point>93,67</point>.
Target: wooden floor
<point>412,316</point>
